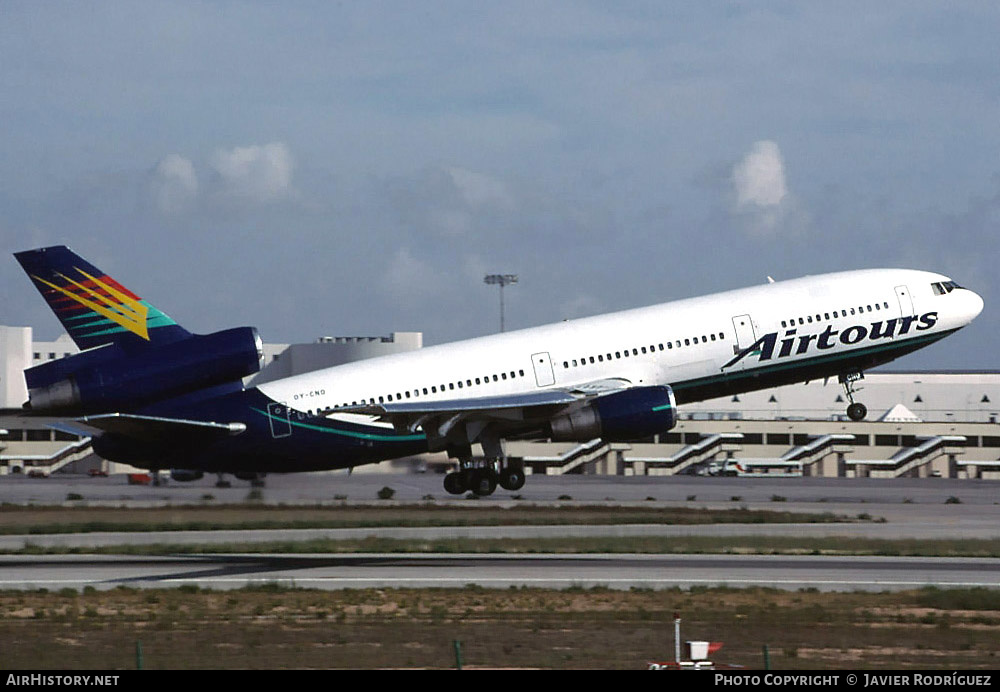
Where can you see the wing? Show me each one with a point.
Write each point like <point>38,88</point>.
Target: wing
<point>485,419</point>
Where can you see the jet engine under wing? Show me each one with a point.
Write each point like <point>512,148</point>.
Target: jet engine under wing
<point>468,420</point>
<point>156,429</point>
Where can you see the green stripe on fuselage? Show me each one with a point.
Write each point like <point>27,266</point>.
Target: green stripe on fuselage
<point>337,431</point>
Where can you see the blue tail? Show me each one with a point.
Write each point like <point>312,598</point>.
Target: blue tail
<point>95,309</point>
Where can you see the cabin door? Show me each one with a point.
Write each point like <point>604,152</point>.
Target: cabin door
<point>278,415</point>
<point>543,369</point>
<point>905,301</point>
<point>745,336</point>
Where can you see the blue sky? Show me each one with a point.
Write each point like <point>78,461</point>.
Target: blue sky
<point>356,168</point>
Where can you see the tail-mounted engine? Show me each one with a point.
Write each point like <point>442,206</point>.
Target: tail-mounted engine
<point>113,378</point>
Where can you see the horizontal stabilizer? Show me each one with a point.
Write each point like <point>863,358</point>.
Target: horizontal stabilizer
<point>155,429</point>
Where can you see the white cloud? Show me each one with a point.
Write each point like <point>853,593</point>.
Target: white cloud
<point>174,184</point>
<point>260,173</point>
<point>760,177</point>
<point>763,201</point>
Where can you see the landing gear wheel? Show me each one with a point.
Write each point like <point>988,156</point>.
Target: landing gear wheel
<point>483,483</point>
<point>512,479</point>
<point>454,483</point>
<point>857,412</point>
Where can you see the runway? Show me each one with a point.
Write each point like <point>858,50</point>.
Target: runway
<point>911,508</point>
<point>498,571</point>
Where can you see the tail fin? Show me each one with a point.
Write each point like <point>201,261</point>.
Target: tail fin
<point>95,309</point>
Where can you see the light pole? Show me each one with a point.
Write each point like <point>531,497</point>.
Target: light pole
<point>500,280</point>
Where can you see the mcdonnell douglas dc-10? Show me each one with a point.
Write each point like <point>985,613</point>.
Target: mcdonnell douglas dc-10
<point>156,396</point>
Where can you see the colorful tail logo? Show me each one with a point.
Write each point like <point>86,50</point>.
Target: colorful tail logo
<point>128,312</point>
<point>94,308</point>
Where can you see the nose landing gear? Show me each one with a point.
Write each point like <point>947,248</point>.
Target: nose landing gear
<point>856,411</point>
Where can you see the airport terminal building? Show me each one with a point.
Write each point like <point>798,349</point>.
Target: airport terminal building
<point>919,423</point>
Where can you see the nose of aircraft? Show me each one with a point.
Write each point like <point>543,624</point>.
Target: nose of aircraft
<point>975,305</point>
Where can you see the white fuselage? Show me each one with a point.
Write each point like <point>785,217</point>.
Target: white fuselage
<point>788,327</point>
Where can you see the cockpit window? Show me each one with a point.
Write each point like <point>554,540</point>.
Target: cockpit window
<point>942,287</point>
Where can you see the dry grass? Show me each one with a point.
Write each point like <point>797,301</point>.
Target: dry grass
<point>288,628</point>
<point>21,519</point>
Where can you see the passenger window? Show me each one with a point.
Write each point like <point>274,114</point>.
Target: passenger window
<point>687,342</point>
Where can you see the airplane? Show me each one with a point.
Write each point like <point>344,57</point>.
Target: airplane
<point>156,396</point>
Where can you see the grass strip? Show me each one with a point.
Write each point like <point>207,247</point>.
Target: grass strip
<point>18,519</point>
<point>747,545</point>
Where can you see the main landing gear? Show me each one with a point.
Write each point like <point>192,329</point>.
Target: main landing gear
<point>483,476</point>
<point>856,411</point>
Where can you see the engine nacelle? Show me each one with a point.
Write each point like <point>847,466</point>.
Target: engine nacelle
<point>114,379</point>
<point>620,417</point>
